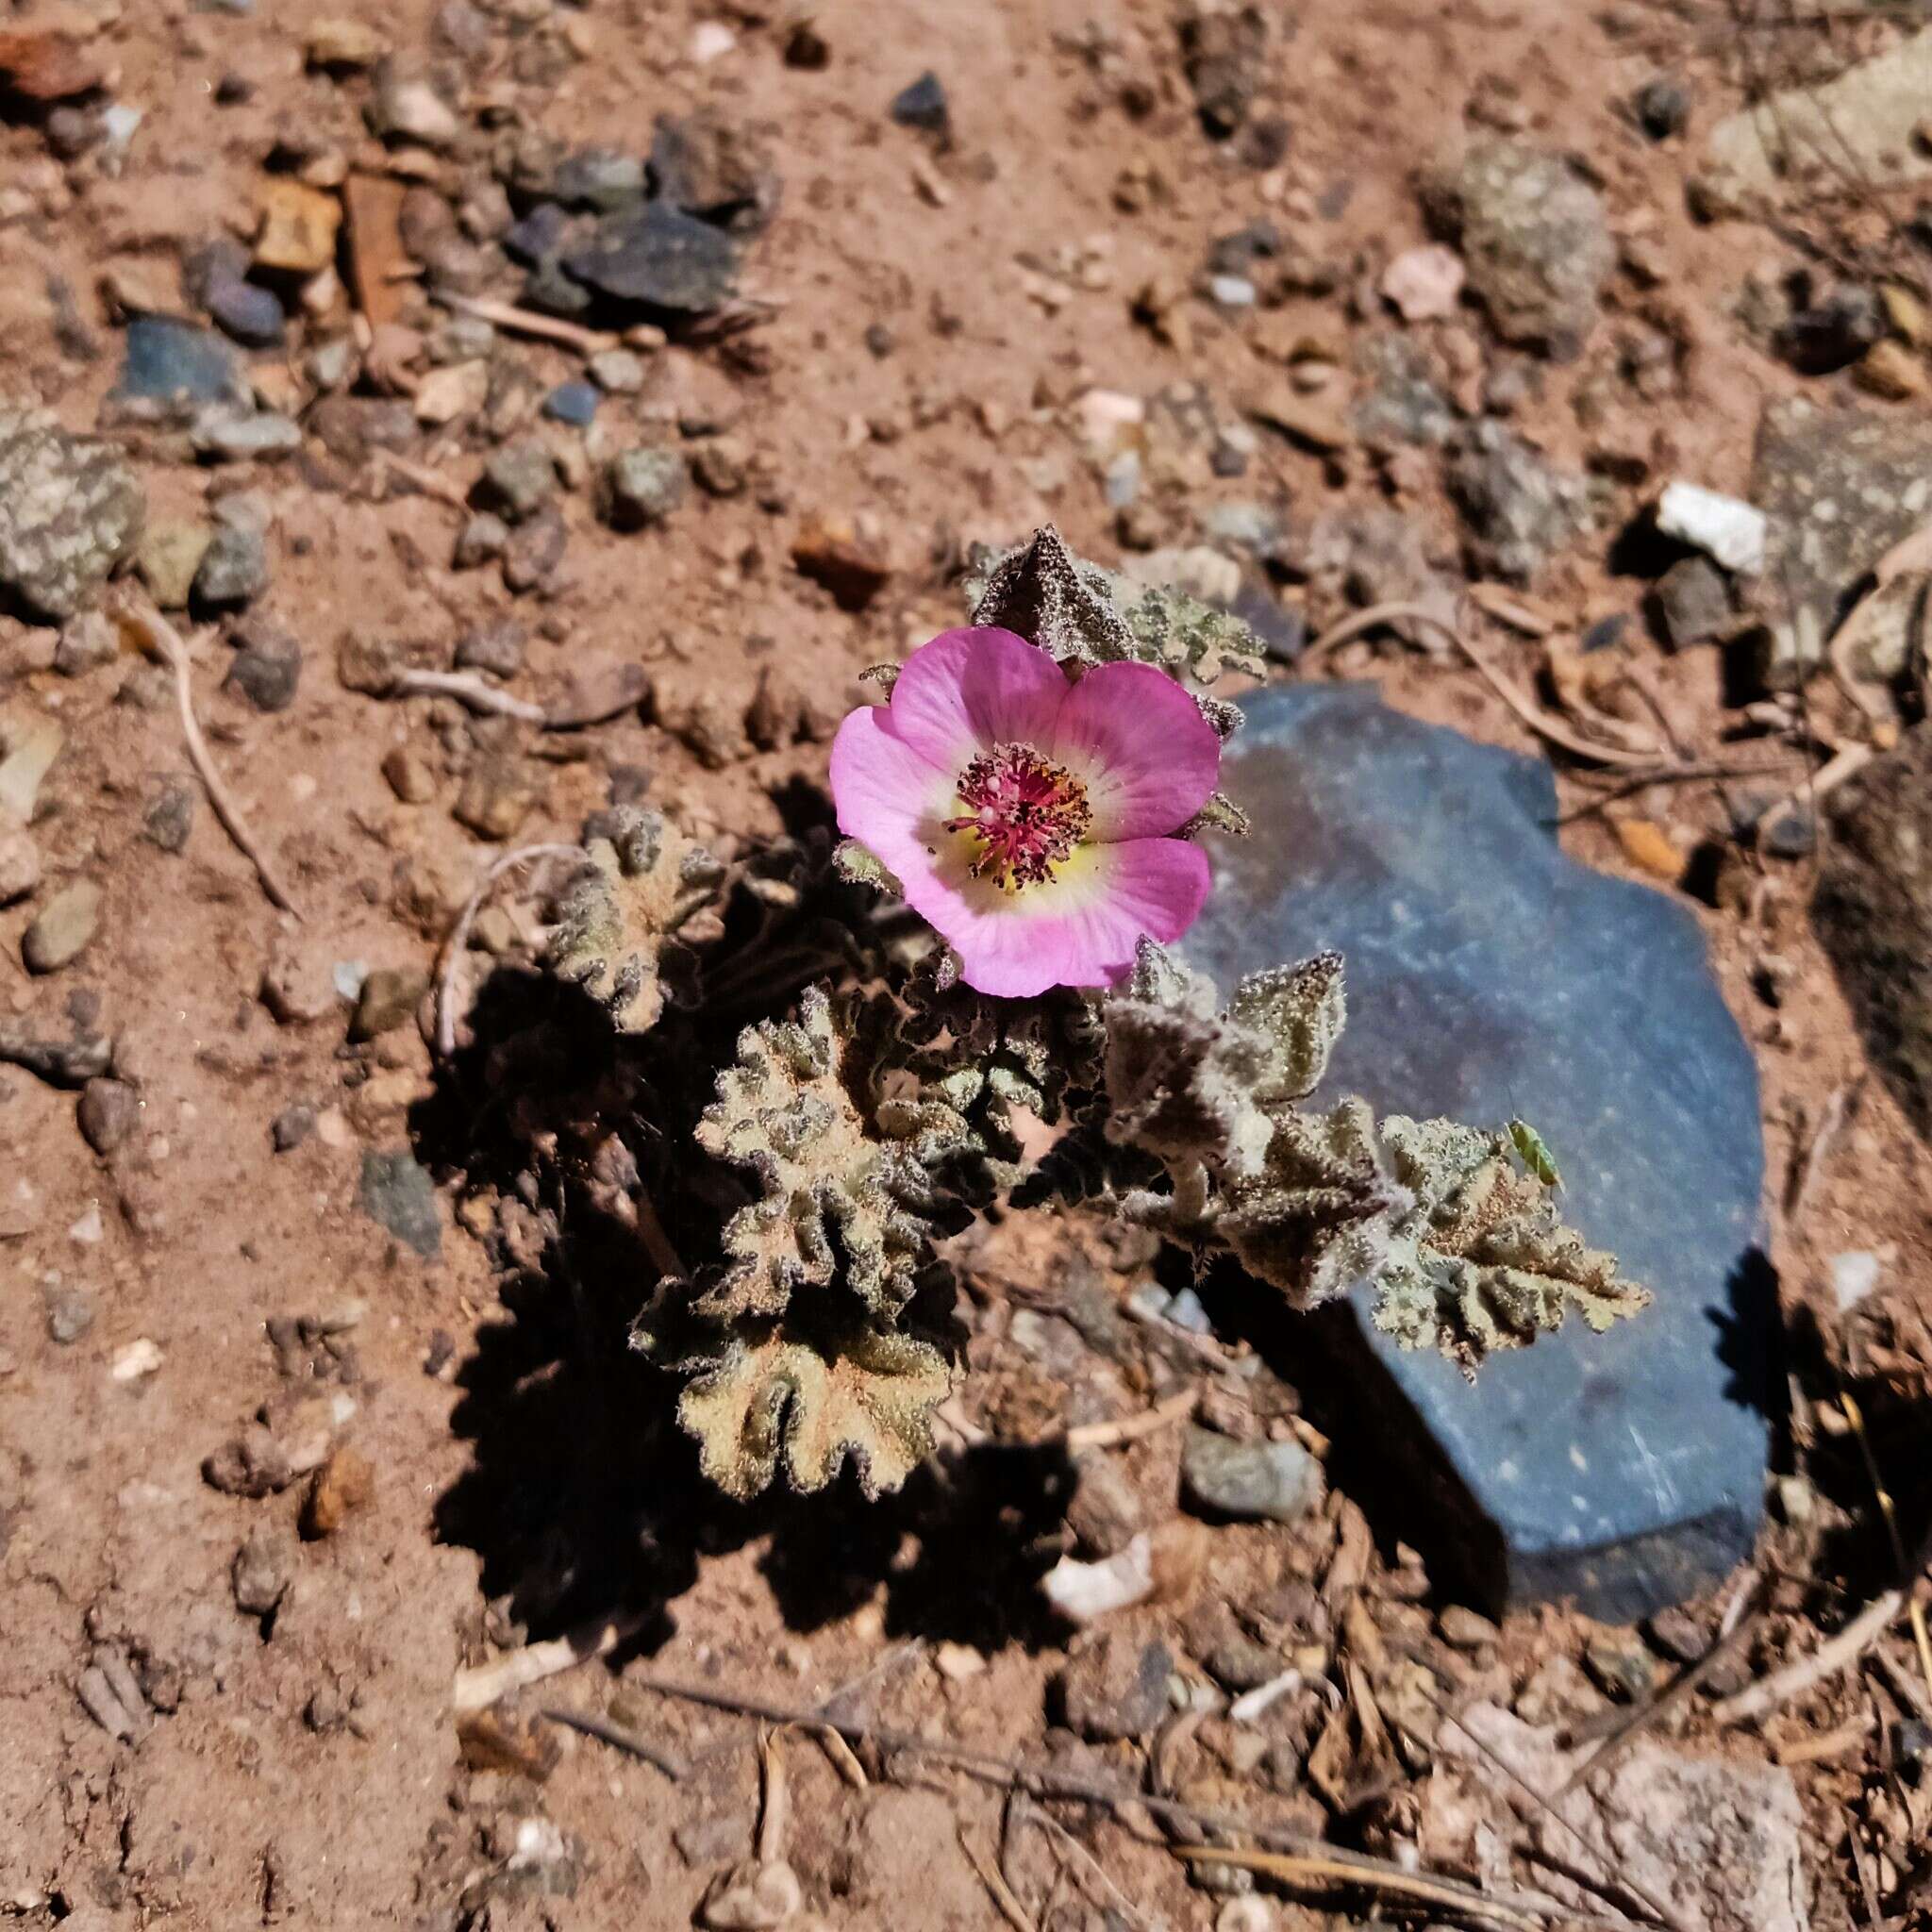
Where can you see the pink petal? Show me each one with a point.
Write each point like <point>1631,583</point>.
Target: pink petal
<point>1076,929</point>
<point>1148,756</point>
<point>969,689</point>
<point>890,798</point>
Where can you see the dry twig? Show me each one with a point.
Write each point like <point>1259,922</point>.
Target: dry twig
<point>527,321</point>
<point>482,1685</point>
<point>1836,1654</point>
<point>467,689</point>
<point>1131,1428</point>
<point>165,641</point>
<point>1011,1910</point>
<point>619,1738</point>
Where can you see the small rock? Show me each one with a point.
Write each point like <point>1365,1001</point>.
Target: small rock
<point>1729,532</point>
<point>1832,333</point>
<point>461,389</point>
<point>1891,370</point>
<point>832,552</point>
<point>1678,1635</point>
<point>1692,604</point>
<point>260,1574</point>
<point>69,512</point>
<point>575,403</point>
<point>298,984</point>
<point>1423,284</point>
<point>617,372</point>
<point>1873,908</point>
<point>1535,241</point>
<point>227,436</point>
<point>342,42</point>
<point>721,465</point>
<point>598,178</point>
<point>168,557</point>
<point>534,550</point>
<point>291,1126</point>
<point>480,539</point>
<point>1662,107</point>
<point>1278,1482</point>
<point>247,311</point>
<point>1648,844</point>
<point>389,999</point>
<point>1400,402</point>
<point>659,258</point>
<point>518,479</point>
<point>88,640</point>
<point>497,648</point>
<point>497,796</point>
<point>267,667</point>
<point>20,865</point>
<point>642,486</point>
<point>63,929</point>
<point>342,1485</point>
<point>176,366</point>
<point>1520,508</point>
<point>398,1195</point>
<point>1105,1511</point>
<point>233,570</point>
<point>1854,1275</point>
<point>253,1464</point>
<point>1619,1666</point>
<point>1224,56</point>
<point>1465,1629</point>
<point>108,1113</point>
<point>70,1315</point>
<point>299,225</point>
<point>410,776</point>
<point>1116,1687</point>
<point>922,104</point>
<point>406,107</point>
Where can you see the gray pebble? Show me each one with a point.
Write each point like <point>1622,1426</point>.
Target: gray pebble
<point>534,550</point>
<point>226,437</point>
<point>644,485</point>
<point>482,537</point>
<point>291,1126</point>
<point>108,1112</point>
<point>497,648</point>
<point>70,1314</point>
<point>397,1194</point>
<point>518,479</point>
<point>234,569</point>
<point>64,928</point>
<point>1278,1482</point>
<point>249,313</point>
<point>260,1573</point>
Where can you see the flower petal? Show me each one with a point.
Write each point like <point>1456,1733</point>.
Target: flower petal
<point>1079,928</point>
<point>970,689</point>
<point>1138,740</point>
<point>889,796</point>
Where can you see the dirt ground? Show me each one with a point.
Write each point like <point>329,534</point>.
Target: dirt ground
<point>924,319</point>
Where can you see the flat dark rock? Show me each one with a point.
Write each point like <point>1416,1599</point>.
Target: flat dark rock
<point>659,258</point>
<point>171,361</point>
<point>1489,975</point>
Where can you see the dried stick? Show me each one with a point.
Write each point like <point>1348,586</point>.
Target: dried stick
<point>1532,714</point>
<point>482,1685</point>
<point>165,641</point>
<point>1389,1878</point>
<point>1835,1654</point>
<point>1011,1910</point>
<point>1915,1611</point>
<point>422,478</point>
<point>1050,1781</point>
<point>459,934</point>
<point>615,1735</point>
<point>1148,1422</point>
<point>466,690</point>
<point>526,322</point>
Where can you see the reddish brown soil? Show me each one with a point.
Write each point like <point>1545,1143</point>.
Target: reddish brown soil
<point>239,1805</point>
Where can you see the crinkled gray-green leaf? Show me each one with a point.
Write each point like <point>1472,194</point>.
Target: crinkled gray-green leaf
<point>647,897</point>
<point>840,1193</point>
<point>1080,613</point>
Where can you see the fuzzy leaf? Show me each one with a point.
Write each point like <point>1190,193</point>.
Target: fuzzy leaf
<point>859,867</point>
<point>812,1400</point>
<point>836,1197</point>
<point>1486,1263</point>
<point>648,895</point>
<point>1079,613</point>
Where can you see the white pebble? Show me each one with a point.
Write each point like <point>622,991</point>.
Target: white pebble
<point>139,1359</point>
<point>1854,1275</point>
<point>1729,532</point>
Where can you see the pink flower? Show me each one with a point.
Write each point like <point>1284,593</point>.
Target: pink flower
<point>1029,819</point>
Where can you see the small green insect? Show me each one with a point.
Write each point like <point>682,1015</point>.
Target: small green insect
<point>1534,1151</point>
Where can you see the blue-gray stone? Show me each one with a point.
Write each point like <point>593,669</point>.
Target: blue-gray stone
<point>249,313</point>
<point>573,401</point>
<point>171,361</point>
<point>1489,975</point>
<point>659,258</point>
